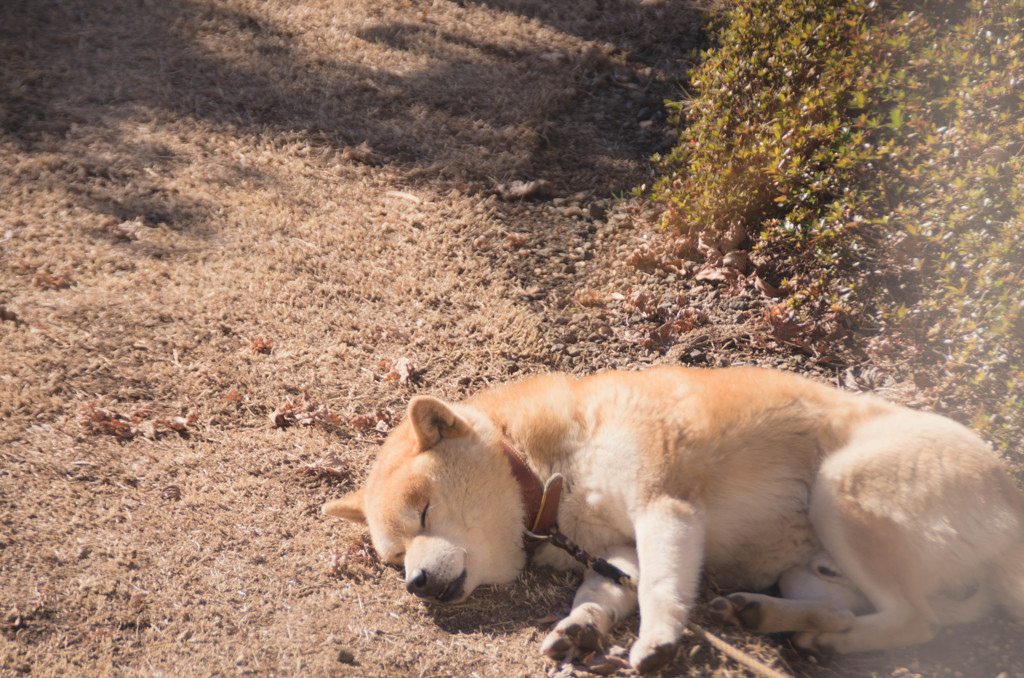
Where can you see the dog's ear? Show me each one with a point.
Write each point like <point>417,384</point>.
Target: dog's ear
<point>350,507</point>
<point>432,420</point>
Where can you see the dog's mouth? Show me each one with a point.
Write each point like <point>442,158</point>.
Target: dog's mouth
<point>435,591</point>
<point>429,588</point>
<point>452,590</point>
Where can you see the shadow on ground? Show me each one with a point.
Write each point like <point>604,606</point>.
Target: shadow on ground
<point>449,102</point>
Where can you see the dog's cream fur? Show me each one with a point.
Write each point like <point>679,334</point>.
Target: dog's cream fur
<point>879,523</point>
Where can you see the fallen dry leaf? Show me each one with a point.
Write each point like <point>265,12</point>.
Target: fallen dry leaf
<point>643,258</point>
<point>329,465</point>
<point>360,153</point>
<point>378,420</point>
<point>669,333</point>
<point>261,345</point>
<point>737,259</point>
<point>171,493</point>
<point>767,288</point>
<point>783,324</point>
<point>607,662</point>
<point>520,190</point>
<point>398,369</point>
<point>126,230</point>
<point>588,298</point>
<point>178,424</point>
<point>13,621</point>
<point>283,415</point>
<point>721,274</point>
<point>735,234</point>
<point>683,247</point>
<point>10,316</point>
<point>531,291</point>
<point>101,420</point>
<point>141,421</point>
<point>517,239</point>
<point>213,378</point>
<point>358,551</point>
<point>306,413</point>
<point>60,281</point>
<point>642,302</point>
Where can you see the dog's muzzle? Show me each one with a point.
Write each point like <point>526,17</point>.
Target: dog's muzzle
<point>424,585</point>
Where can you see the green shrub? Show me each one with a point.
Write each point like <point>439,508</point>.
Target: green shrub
<point>874,153</point>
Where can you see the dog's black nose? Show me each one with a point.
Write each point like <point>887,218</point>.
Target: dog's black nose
<point>418,583</point>
<point>435,587</point>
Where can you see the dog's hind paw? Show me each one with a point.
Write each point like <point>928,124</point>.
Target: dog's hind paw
<point>816,643</point>
<point>571,639</point>
<point>736,609</point>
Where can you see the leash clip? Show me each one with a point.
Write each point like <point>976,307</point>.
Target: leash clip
<point>535,536</point>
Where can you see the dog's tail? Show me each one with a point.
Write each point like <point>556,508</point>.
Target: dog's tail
<point>1007,574</point>
<point>1008,580</point>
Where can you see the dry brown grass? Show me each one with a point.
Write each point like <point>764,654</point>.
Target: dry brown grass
<point>211,209</point>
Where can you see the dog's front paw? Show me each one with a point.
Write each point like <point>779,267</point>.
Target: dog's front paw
<point>819,643</point>
<point>572,637</point>
<point>650,654</point>
<point>736,609</point>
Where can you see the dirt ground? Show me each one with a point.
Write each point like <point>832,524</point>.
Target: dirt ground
<point>236,236</point>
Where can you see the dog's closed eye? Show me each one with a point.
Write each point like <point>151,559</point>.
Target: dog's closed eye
<point>423,515</point>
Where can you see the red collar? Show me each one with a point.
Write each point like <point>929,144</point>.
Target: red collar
<point>541,501</point>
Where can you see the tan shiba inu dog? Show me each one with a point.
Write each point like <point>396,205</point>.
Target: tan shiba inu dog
<point>878,523</point>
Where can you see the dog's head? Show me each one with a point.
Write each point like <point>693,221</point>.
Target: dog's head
<point>440,500</point>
